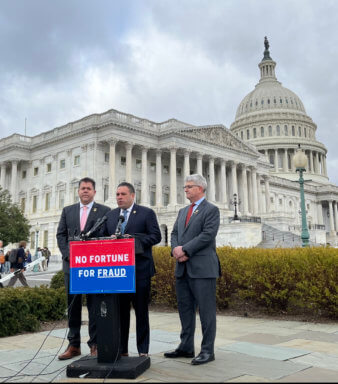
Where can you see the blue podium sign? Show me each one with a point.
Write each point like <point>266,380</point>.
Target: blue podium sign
<point>102,266</point>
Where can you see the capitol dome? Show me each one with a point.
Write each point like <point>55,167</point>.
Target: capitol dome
<point>274,120</point>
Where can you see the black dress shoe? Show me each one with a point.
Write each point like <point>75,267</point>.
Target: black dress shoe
<point>203,358</point>
<point>178,353</point>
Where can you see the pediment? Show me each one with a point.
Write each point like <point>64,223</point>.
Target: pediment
<point>218,135</point>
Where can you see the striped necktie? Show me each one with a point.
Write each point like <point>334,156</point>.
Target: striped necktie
<point>124,224</point>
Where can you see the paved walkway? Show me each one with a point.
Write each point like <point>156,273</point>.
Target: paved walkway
<point>247,350</point>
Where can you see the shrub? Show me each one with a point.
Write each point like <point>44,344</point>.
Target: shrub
<point>292,280</point>
<point>22,309</point>
<point>58,280</point>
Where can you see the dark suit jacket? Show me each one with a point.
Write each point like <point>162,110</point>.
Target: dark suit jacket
<point>69,226</point>
<point>143,226</point>
<point>198,240</point>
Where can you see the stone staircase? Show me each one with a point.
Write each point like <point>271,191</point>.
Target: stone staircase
<point>274,238</point>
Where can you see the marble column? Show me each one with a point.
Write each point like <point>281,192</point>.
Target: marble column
<point>259,193</point>
<point>223,197</point>
<point>285,162</point>
<point>267,195</point>
<point>244,187</point>
<point>331,216</point>
<point>311,161</point>
<point>14,180</point>
<point>112,170</point>
<point>325,167</point>
<point>320,213</point>
<point>186,166</point>
<point>254,196</point>
<point>3,174</point>
<point>200,164</point>
<point>144,178</point>
<point>336,215</point>
<point>211,196</point>
<point>276,160</point>
<point>129,148</point>
<point>316,163</point>
<point>234,178</point>
<point>159,178</point>
<point>293,168</point>
<point>173,185</point>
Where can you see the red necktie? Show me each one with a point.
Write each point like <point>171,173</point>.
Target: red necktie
<point>189,213</point>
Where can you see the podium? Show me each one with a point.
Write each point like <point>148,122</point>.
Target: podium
<point>105,268</point>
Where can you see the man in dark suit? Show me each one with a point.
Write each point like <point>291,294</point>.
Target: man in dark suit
<point>141,223</point>
<point>193,244</point>
<point>75,219</point>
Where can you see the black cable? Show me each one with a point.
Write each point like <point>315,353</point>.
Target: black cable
<point>39,349</point>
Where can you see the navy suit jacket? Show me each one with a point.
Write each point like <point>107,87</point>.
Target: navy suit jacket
<point>143,226</point>
<point>69,226</point>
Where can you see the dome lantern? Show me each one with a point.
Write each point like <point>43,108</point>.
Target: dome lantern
<point>267,65</point>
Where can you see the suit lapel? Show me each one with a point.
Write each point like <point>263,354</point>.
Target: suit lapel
<point>131,218</point>
<point>195,213</point>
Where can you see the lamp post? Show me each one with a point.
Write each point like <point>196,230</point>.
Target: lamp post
<point>300,163</point>
<point>235,202</point>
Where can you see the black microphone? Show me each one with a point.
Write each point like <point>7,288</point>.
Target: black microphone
<point>118,227</point>
<point>96,226</point>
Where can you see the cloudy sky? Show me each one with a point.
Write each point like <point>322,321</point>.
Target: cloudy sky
<point>193,60</point>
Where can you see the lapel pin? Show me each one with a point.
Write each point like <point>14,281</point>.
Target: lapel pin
<point>134,212</point>
<point>94,209</point>
<point>196,212</point>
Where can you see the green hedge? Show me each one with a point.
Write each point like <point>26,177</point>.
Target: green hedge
<point>22,309</point>
<point>293,280</point>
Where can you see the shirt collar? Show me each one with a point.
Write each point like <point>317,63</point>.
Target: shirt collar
<point>89,206</point>
<point>198,202</point>
<point>128,209</point>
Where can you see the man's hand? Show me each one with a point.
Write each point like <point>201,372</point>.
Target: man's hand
<point>178,252</point>
<point>183,258</point>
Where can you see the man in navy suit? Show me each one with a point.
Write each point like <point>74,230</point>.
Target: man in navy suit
<point>193,244</point>
<point>140,223</point>
<point>77,218</point>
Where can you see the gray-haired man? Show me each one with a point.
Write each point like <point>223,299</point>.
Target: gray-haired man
<point>193,243</point>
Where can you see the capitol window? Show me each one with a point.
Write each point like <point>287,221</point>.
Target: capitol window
<point>242,135</point>
<point>286,130</point>
<point>166,169</point>
<point>123,160</point>
<point>77,160</point>
<point>24,174</point>
<point>254,133</point>
<point>299,131</point>
<point>49,167</point>
<point>293,130</point>
<point>305,131</point>
<point>247,134</point>
<point>138,164</point>
<point>62,163</point>
<point>152,167</point>
<point>106,157</point>
<point>36,171</point>
<point>278,130</point>
<point>47,201</point>
<point>262,131</point>
<point>270,130</point>
<point>35,203</point>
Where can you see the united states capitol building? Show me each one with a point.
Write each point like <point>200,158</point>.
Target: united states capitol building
<point>252,159</point>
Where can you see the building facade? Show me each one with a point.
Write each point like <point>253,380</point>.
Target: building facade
<point>253,159</point>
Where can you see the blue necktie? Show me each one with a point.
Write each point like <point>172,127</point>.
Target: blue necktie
<point>123,226</point>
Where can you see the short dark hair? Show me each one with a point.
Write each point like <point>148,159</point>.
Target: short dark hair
<point>87,180</point>
<point>128,185</point>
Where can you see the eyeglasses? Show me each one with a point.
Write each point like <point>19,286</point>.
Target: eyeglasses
<point>190,186</point>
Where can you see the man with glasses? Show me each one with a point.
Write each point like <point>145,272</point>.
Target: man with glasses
<point>193,244</point>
